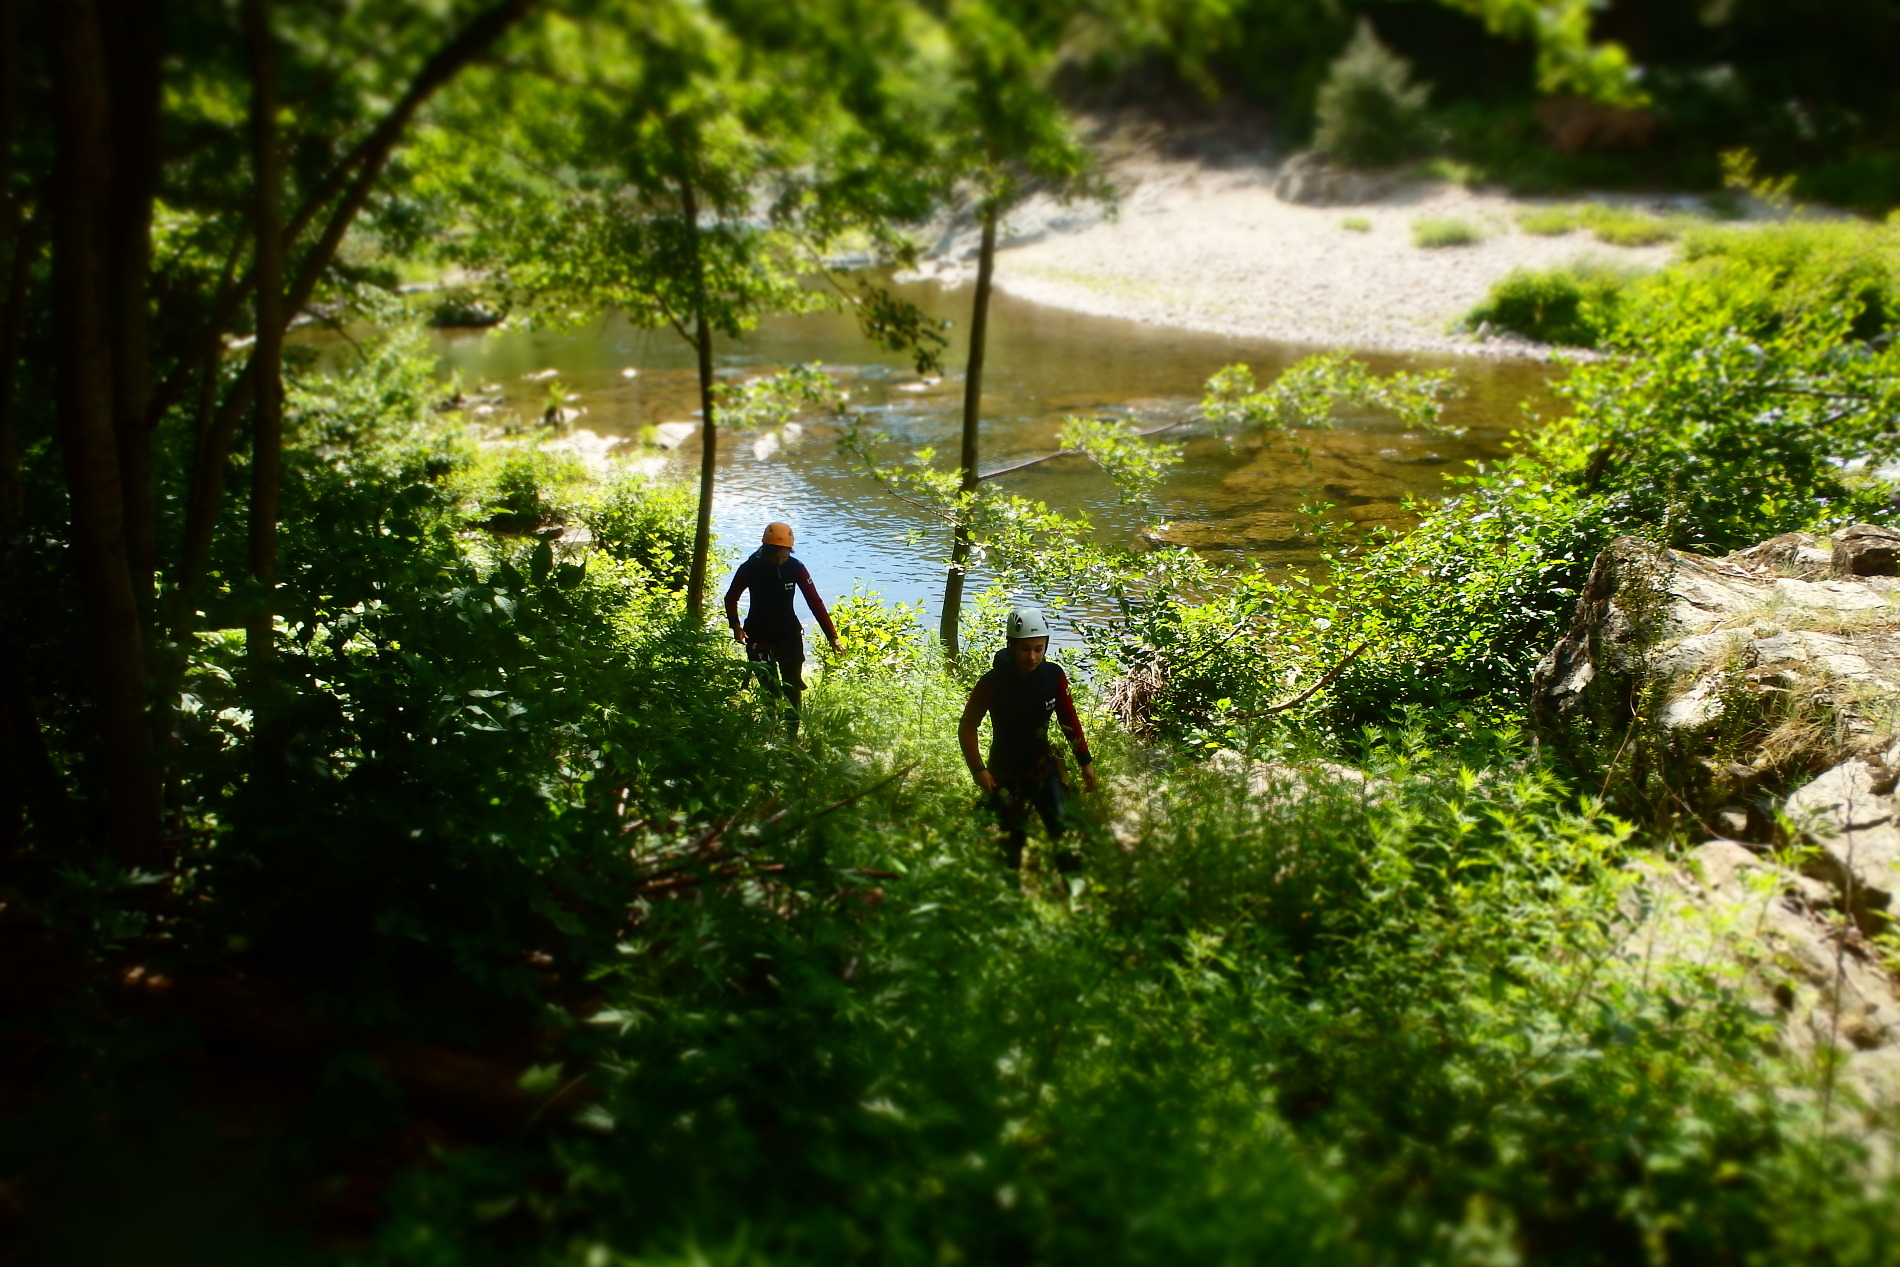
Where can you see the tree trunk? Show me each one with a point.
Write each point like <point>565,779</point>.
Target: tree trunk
<point>131,30</point>
<point>972,418</point>
<point>126,783</point>
<point>25,243</point>
<point>214,442</point>
<point>709,424</point>
<point>267,357</point>
<point>18,262</point>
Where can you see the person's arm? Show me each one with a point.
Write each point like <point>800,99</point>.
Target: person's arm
<point>1071,724</point>
<point>733,591</point>
<point>817,606</point>
<point>973,710</point>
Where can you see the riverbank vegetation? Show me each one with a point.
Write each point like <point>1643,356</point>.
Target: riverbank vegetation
<point>1783,269</point>
<point>405,874</point>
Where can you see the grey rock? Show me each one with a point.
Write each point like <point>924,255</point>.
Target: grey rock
<point>1777,938</point>
<point>1866,550</point>
<point>1312,179</point>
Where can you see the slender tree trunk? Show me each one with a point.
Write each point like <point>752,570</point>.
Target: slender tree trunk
<point>709,423</point>
<point>18,263</point>
<point>131,30</point>
<point>25,249</point>
<point>972,418</point>
<point>368,161</point>
<point>267,357</point>
<point>127,782</point>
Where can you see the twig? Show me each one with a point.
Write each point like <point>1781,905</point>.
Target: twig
<point>1312,690</point>
<point>1066,453</point>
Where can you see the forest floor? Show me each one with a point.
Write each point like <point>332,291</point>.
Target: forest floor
<point>1198,238</point>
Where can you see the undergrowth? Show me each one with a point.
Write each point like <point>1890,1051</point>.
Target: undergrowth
<point>778,1001</point>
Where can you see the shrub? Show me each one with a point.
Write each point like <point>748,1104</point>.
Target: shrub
<point>1629,228</point>
<point>1358,224</point>
<point>1432,232</point>
<point>642,521</point>
<point>524,493</point>
<point>1866,182</point>
<point>1549,222</point>
<point>1572,306</point>
<point>1369,111</point>
<point>1843,263</point>
<point>1611,225</point>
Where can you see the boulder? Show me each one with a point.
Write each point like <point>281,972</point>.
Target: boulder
<point>1865,550</point>
<point>1312,179</point>
<point>1775,936</point>
<point>1775,673</point>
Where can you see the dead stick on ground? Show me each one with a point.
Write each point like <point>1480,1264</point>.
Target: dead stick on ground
<point>1312,690</point>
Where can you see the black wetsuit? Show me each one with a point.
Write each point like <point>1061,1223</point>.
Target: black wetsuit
<point>773,635</point>
<point>1025,767</point>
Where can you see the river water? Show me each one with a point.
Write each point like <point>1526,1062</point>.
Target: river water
<point>1237,501</point>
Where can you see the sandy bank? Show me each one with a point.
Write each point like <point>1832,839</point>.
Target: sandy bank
<point>1212,247</point>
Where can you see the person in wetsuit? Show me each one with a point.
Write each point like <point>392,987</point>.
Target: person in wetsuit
<point>772,637</point>
<point>1021,693</point>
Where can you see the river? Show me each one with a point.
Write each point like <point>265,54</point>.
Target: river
<point>1044,364</point>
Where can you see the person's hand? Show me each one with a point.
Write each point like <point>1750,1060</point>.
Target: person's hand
<point>837,647</point>
<point>738,636</point>
<point>1088,776</point>
<point>986,780</point>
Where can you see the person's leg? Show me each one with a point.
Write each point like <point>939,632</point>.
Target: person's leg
<point>1012,812</point>
<point>1055,818</point>
<point>764,665</point>
<point>791,674</point>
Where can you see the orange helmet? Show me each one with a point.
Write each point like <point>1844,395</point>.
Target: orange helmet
<point>778,535</point>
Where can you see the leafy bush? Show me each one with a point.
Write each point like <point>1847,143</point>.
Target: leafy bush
<point>1574,306</point>
<point>1811,265</point>
<point>1868,182</point>
<point>1611,225</point>
<point>1432,232</point>
<point>1630,228</point>
<point>1727,413</point>
<point>646,522</point>
<point>1548,221</point>
<point>1357,224</point>
<point>1369,111</point>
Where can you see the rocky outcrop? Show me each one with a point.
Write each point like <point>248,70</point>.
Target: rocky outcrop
<point>1773,675</point>
<point>1775,937</point>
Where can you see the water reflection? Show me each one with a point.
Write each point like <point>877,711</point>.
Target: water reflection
<point>1044,364</point>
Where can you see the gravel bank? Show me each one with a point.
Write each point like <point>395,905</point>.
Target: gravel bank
<point>1213,248</point>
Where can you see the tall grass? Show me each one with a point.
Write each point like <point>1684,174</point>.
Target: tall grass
<point>1434,232</point>
<point>1614,226</point>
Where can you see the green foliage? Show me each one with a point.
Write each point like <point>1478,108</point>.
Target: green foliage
<point>1574,306</point>
<point>1432,232</point>
<point>879,638</point>
<point>1615,226</point>
<point>1548,221</point>
<point>1356,224</point>
<point>1310,391</point>
<point>1376,1015</point>
<point>1135,465</point>
<point>1369,111</point>
<point>1723,417</point>
<point>1808,266</point>
<point>642,521</point>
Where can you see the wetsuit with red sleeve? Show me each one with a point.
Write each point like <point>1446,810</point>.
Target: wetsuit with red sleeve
<point>773,634</point>
<point>1025,767</point>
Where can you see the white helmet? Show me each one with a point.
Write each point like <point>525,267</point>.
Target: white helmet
<point>1027,622</point>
